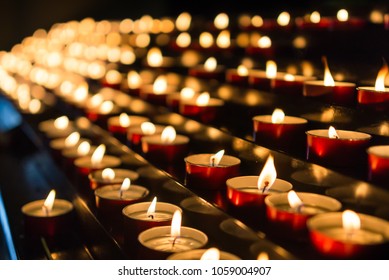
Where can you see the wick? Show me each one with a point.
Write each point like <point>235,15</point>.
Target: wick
<point>174,241</point>
<point>121,194</point>
<point>299,208</point>
<point>265,185</point>
<point>46,210</point>
<point>336,137</point>
<point>213,162</point>
<point>349,234</point>
<point>151,216</point>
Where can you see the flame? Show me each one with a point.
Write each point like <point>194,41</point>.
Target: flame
<point>327,115</point>
<point>351,221</point>
<point>148,128</point>
<point>106,107</point>
<point>95,101</point>
<point>183,40</point>
<point>83,149</point>
<point>294,201</point>
<point>187,93</point>
<point>380,81</point>
<point>332,133</point>
<point>223,40</point>
<point>278,116</point>
<point>125,185</point>
<point>210,64</point>
<point>216,158</point>
<point>257,21</point>
<point>283,19</point>
<point>263,256</point>
<point>342,15</point>
<point>271,69</point>
<point>72,139</point>
<point>49,202</point>
<point>154,57</point>
<point>124,120</point>
<point>34,106</point>
<point>61,123</point>
<point>168,135</point>
<point>183,21</point>
<point>211,254</point>
<point>328,80</point>
<point>80,94</point>
<point>315,17</point>
<point>377,17</point>
<point>264,42</point>
<point>176,224</point>
<point>98,155</point>
<point>221,21</point>
<point>206,40</point>
<point>160,85</point>
<point>113,77</point>
<point>242,70</point>
<point>203,99</point>
<point>134,80</point>
<point>268,175</point>
<point>151,209</point>
<point>108,174</point>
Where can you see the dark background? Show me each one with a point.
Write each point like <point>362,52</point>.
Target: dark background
<point>20,18</point>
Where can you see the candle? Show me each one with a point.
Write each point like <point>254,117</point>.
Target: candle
<point>337,147</point>
<point>263,79</point>
<point>158,92</point>
<point>98,160</point>
<point>167,147</point>
<point>112,79</point>
<point>155,59</point>
<point>210,171</point>
<point>136,133</point>
<point>174,100</point>
<point>203,254</point>
<point>159,242</point>
<point>378,161</point>
<point>288,212</point>
<point>210,70</point>
<point>102,112</point>
<point>279,131</point>
<point>70,154</point>
<point>49,217</point>
<point>59,144</point>
<point>120,124</point>
<point>342,93</point>
<point>58,128</point>
<point>252,190</point>
<point>262,47</point>
<point>348,234</point>
<point>285,83</point>
<point>109,176</point>
<point>202,108</point>
<point>238,76</point>
<point>134,82</point>
<point>313,21</point>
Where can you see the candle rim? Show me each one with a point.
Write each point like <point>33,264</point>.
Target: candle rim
<point>190,160</point>
<point>116,187</point>
<point>213,102</point>
<point>141,207</point>
<point>197,253</point>
<point>324,134</point>
<point>372,89</point>
<point>156,140</point>
<point>37,204</point>
<point>279,185</point>
<point>120,174</point>
<point>337,84</point>
<point>268,119</point>
<point>376,151</point>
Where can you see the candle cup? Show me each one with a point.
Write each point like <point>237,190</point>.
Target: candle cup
<point>201,174</point>
<point>148,94</point>
<point>372,98</point>
<point>48,128</point>
<point>204,113</point>
<point>290,223</point>
<point>135,135</point>
<point>259,80</point>
<point>258,51</point>
<point>96,179</point>
<point>136,220</point>
<point>69,155</point>
<point>158,151</point>
<point>342,93</point>
<point>174,100</point>
<point>330,239</point>
<point>157,243</point>
<point>200,72</point>
<point>378,161</point>
<point>197,254</point>
<point>57,223</point>
<point>347,150</point>
<point>59,144</point>
<point>115,127</point>
<point>233,77</point>
<point>288,135</point>
<point>84,164</point>
<point>281,85</point>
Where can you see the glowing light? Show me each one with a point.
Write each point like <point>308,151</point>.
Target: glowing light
<point>342,15</point>
<point>108,174</point>
<point>134,80</point>
<point>124,187</point>
<point>183,21</point>
<point>216,158</point>
<point>351,221</point>
<point>380,81</point>
<point>113,77</point>
<point>168,135</point>
<point>148,128</point>
<point>328,80</point>
<point>332,133</point>
<point>268,175</point>
<point>211,254</point>
<point>152,207</point>
<point>49,203</point>
<point>206,40</point>
<point>72,139</point>
<point>294,201</point>
<point>263,256</point>
<point>176,225</point>
<point>183,40</point>
<point>160,85</point>
<point>154,57</point>
<point>242,70</point>
<point>271,69</point>
<point>61,123</point>
<point>187,93</point>
<point>203,99</point>
<point>83,149</point>
<point>210,64</point>
<point>98,155</point>
<point>278,116</point>
<point>283,19</point>
<point>223,40</point>
<point>264,42</point>
<point>257,21</point>
<point>221,21</point>
<point>315,17</point>
<point>106,107</point>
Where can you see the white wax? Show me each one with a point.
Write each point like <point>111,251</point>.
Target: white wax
<point>249,184</point>
<point>138,211</point>
<point>386,90</point>
<point>305,209</point>
<point>287,120</point>
<point>107,161</point>
<point>120,175</point>
<point>112,192</point>
<point>156,140</point>
<point>361,236</point>
<point>134,120</point>
<point>204,160</point>
<point>35,209</point>
<point>157,216</point>
<point>380,151</point>
<point>343,134</point>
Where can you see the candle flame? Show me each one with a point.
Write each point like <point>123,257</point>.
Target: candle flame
<point>160,84</point>
<point>83,149</point>
<point>289,77</point>
<point>134,80</point>
<point>332,133</point>
<point>328,80</point>
<point>113,77</point>
<point>211,254</point>
<point>268,175</point>
<point>106,107</point>
<point>152,207</point>
<point>271,69</point>
<point>257,21</point>
<point>264,42</point>
<point>80,94</point>
<point>125,185</point>
<point>61,122</point>
<point>183,21</point>
<point>183,40</point>
<point>342,15</point>
<point>108,174</point>
<point>351,221</point>
<point>98,155</point>
<point>124,120</point>
<point>315,17</point>
<point>242,70</point>
<point>294,201</point>
<point>283,19</point>
<point>216,158</point>
<point>206,40</point>
<point>221,21</point>
<point>223,40</point>
<point>263,256</point>
<point>380,81</point>
<point>210,64</point>
<point>176,225</point>
<point>278,116</point>
<point>72,139</point>
<point>187,93</point>
<point>168,135</point>
<point>154,57</point>
<point>49,202</point>
<point>148,128</point>
<point>203,99</point>
<point>34,106</point>
<point>95,100</point>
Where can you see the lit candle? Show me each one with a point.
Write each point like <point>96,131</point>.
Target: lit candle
<point>82,149</point>
<point>337,147</point>
<point>263,79</point>
<point>173,100</point>
<point>60,144</point>
<point>158,92</point>
<point>238,76</point>
<point>57,128</point>
<point>134,82</point>
<point>285,83</point>
<point>110,176</point>
<point>120,124</point>
<point>348,234</point>
<point>102,112</point>
<point>167,147</point>
<point>210,171</point>
<point>155,59</point>
<point>279,131</point>
<point>49,217</point>
<point>136,133</point>
<point>112,79</point>
<point>378,161</point>
<point>336,92</point>
<point>262,47</point>
<point>203,254</point>
<point>159,242</point>
<point>210,70</point>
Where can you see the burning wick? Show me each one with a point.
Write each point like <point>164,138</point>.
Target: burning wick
<point>151,209</point>
<point>174,240</point>
<point>49,202</point>
<point>125,186</point>
<point>265,185</point>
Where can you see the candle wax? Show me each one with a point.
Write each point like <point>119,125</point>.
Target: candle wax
<point>112,192</point>
<point>35,209</point>
<point>304,210</point>
<point>157,216</point>
<point>165,243</point>
<point>360,236</point>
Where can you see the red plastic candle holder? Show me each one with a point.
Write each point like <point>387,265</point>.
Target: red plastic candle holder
<point>378,160</point>
<point>148,94</point>
<point>200,72</point>
<point>368,96</point>
<point>135,134</point>
<point>156,150</point>
<point>205,113</point>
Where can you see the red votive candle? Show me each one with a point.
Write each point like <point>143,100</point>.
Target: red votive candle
<point>369,96</point>
<point>203,172</point>
<point>238,76</point>
<point>378,160</point>
<point>120,124</point>
<point>210,70</point>
<point>136,133</point>
<point>348,148</point>
<point>156,93</point>
<point>102,113</point>
<point>285,83</point>
<point>342,93</point>
<point>110,176</point>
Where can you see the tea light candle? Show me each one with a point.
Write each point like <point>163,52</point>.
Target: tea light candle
<point>155,59</point>
<point>378,161</point>
<point>285,83</point>
<point>280,131</point>
<point>136,133</point>
<point>210,171</point>
<point>158,92</point>
<point>348,234</point>
<point>159,242</point>
<point>263,79</point>
<point>262,47</point>
<point>313,21</point>
<point>337,147</point>
<point>60,127</point>
<point>120,124</point>
<point>110,176</point>
<point>102,112</point>
<point>48,217</point>
<point>203,254</point>
<point>238,76</point>
<point>252,190</point>
<point>112,79</point>
<point>210,70</point>
<point>174,100</point>
<point>167,147</point>
<point>289,212</point>
<point>59,144</point>
<point>134,82</point>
